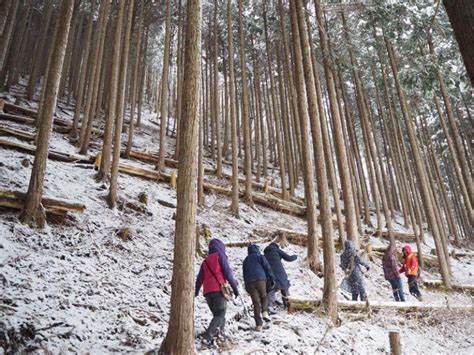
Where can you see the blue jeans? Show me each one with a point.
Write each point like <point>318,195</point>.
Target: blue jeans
<point>397,289</point>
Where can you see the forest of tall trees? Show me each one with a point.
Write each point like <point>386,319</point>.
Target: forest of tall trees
<point>356,116</point>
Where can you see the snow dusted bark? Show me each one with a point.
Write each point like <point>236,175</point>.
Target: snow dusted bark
<point>180,336</point>
<point>33,212</point>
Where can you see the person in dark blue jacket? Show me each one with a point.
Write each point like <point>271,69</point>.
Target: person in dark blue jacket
<point>257,272</point>
<point>274,254</point>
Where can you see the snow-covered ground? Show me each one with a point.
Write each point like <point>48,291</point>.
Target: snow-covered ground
<point>101,294</point>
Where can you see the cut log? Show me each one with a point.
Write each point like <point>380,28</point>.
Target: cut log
<point>342,305</point>
<point>458,253</point>
<point>17,133</point>
<point>8,107</point>
<point>59,125</point>
<point>15,199</point>
<point>403,237</point>
<point>166,203</point>
<point>17,118</point>
<point>246,243</point>
<point>153,158</point>
<point>144,173</point>
<point>263,200</point>
<point>291,236</point>
<point>429,260</point>
<point>52,154</point>
<point>438,284</point>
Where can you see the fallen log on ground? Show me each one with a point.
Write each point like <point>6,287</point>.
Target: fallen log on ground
<point>429,260</point>
<point>18,133</point>
<point>59,125</point>
<point>8,107</point>
<point>17,118</point>
<point>266,188</point>
<point>153,158</point>
<point>144,173</point>
<point>313,305</point>
<point>16,199</point>
<point>246,243</point>
<point>438,284</point>
<point>263,200</point>
<point>52,154</point>
<point>291,236</point>
<point>458,253</point>
<point>403,237</point>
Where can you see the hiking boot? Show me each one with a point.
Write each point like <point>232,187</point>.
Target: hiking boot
<point>207,342</point>
<point>266,317</point>
<point>258,328</point>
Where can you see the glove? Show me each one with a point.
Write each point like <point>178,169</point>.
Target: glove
<point>368,268</point>
<point>236,293</point>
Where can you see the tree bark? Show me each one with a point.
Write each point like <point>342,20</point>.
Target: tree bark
<point>423,182</point>
<point>83,73</point>
<point>133,99</point>
<point>121,101</point>
<point>233,117</point>
<point>341,154</point>
<point>6,36</point>
<point>313,251</point>
<point>245,111</point>
<point>329,293</point>
<point>164,88</point>
<point>461,16</point>
<point>180,336</point>
<point>33,211</point>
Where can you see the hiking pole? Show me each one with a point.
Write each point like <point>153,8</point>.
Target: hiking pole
<point>246,311</point>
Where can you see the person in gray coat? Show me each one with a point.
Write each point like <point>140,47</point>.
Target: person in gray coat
<point>351,264</point>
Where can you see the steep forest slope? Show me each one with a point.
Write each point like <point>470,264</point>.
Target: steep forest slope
<point>81,286</point>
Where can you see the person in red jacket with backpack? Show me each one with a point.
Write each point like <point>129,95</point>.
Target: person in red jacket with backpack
<point>214,272</point>
<point>410,268</point>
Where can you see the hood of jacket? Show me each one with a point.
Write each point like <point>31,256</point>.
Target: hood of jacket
<point>216,246</point>
<point>253,249</point>
<point>271,247</point>
<point>349,247</point>
<point>407,249</point>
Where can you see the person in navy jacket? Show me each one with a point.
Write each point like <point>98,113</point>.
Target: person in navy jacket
<point>257,274</point>
<point>214,272</point>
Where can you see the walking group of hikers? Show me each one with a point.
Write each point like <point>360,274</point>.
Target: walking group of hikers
<point>264,275</point>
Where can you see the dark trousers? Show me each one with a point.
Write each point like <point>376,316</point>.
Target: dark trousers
<point>356,295</point>
<point>218,305</point>
<point>397,289</point>
<point>413,286</point>
<point>285,292</point>
<point>258,292</point>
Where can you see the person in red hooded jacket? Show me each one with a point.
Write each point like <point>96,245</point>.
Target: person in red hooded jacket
<point>410,268</point>
<point>214,272</point>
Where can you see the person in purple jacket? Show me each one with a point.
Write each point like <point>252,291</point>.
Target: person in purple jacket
<point>390,271</point>
<point>214,272</point>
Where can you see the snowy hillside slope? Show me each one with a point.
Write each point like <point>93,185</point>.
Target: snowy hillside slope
<point>98,293</point>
